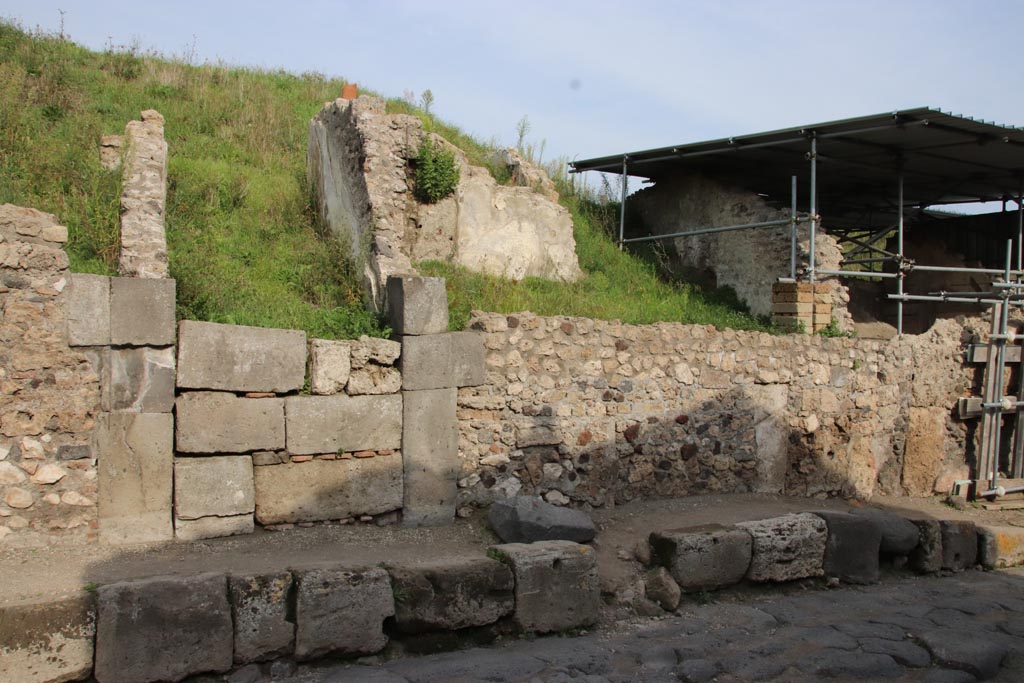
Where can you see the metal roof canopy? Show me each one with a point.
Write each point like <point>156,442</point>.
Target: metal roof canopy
<point>944,159</point>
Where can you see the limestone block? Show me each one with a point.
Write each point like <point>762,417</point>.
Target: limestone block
<point>217,422</point>
<point>264,623</point>
<point>851,554</point>
<point>328,489</point>
<point>925,450</point>
<point>926,557</point>
<point>959,545</point>
<point>328,424</point>
<point>212,527</point>
<point>556,584</point>
<point>787,548</point>
<point>430,454</point>
<point>341,611</point>
<point>330,363</point>
<point>87,309</point>
<point>451,593</point>
<point>141,311</point>
<point>163,629</point>
<point>441,361</point>
<point>240,358</point>
<point>374,379</point>
<point>1000,546</point>
<point>704,557</point>
<point>375,351</point>
<point>142,379</point>
<point>134,454</point>
<point>213,496</point>
<point>417,305</point>
<point>48,641</point>
<point>99,359</point>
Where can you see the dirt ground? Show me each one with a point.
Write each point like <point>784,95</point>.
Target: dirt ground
<point>60,569</point>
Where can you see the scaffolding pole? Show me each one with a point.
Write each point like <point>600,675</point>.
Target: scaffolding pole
<point>813,208</point>
<point>711,231</point>
<point>622,206</point>
<point>792,229</point>
<point>899,250</point>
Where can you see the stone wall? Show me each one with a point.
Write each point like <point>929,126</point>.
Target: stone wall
<point>594,413</point>
<point>143,198</point>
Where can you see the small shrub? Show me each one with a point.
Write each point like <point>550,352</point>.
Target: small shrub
<point>437,173</point>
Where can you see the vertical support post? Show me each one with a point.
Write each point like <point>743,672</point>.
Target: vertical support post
<point>792,229</point>
<point>899,254</point>
<point>814,203</point>
<point>1020,229</point>
<point>622,206</point>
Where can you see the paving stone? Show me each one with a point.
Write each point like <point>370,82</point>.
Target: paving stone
<point>47,641</point>
<point>903,651</point>
<point>659,657</point>
<point>142,311</point>
<point>851,553</point>
<point>442,361</point>
<point>926,558</point>
<point>163,629</point>
<point>451,593</point>
<point>218,422</point>
<point>660,587</point>
<point>753,668</point>
<point>949,676</point>
<point>141,379</point>
<point>87,310</point>
<point>362,674</point>
<point>556,584</point>
<point>697,670</point>
<point>786,548</point>
<point>822,636</point>
<point>469,665</point>
<point>829,663</point>
<point>704,557</point>
<point>525,519</point>
<point>1000,546</point>
<point>899,535</point>
<point>417,305</point>
<point>239,358</point>
<point>957,649</point>
<point>250,673</point>
<point>959,545</point>
<point>332,424</point>
<point>430,456</point>
<point>264,627</point>
<point>216,486</point>
<point>741,617</point>
<point>341,611</point>
<point>866,629</point>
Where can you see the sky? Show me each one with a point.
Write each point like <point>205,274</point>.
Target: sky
<point>595,77</point>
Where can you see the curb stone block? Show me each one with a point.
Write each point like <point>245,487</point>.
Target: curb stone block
<point>851,553</point>
<point>926,558</point>
<point>163,629</point>
<point>328,424</point>
<point>263,626</point>
<point>142,311</point>
<point>1000,546</point>
<point>899,535</point>
<point>703,557</point>
<point>787,548</point>
<point>430,457</point>
<point>959,545</point>
<point>341,611</point>
<point>240,358</point>
<point>218,422</point>
<point>556,584</point>
<point>417,305</point>
<point>48,641</point>
<point>88,310</point>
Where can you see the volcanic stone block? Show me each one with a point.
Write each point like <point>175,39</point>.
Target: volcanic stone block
<point>329,424</point>
<point>141,311</point>
<point>1000,546</point>
<point>330,363</point>
<point>217,422</point>
<point>135,458</point>
<point>441,361</point>
<point>213,496</point>
<point>926,558</point>
<point>417,305</point>
<point>703,557</point>
<point>851,553</point>
<point>264,625</point>
<point>142,379</point>
<point>556,584</point>
<point>328,489</point>
<point>240,358</point>
<point>787,548</point>
<point>48,641</point>
<point>525,519</point>
<point>959,545</point>
<point>899,535</point>
<point>451,593</point>
<point>88,310</point>
<point>341,611</point>
<point>163,629</point>
<point>430,439</point>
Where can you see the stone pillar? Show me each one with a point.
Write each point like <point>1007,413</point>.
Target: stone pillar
<point>797,305</point>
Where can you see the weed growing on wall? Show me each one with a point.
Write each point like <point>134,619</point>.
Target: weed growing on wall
<point>436,174</point>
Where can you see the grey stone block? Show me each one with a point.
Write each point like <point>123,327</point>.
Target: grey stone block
<point>926,557</point>
<point>959,545</point>
<point>217,422</point>
<point>47,641</point>
<point>74,452</point>
<point>704,557</point>
<point>899,535</point>
<point>264,624</point>
<point>787,548</point>
<point>974,652</point>
<point>1000,546</point>
<point>240,358</point>
<point>141,380</point>
<point>330,363</point>
<point>213,527</point>
<point>660,587</point>
<point>341,611</point>
<point>134,453</point>
<point>331,424</point>
<point>430,455</point>
<point>87,310</point>
<point>218,486</point>
<point>556,584</point>
<point>525,519</point>
<point>851,553</point>
<point>452,593</point>
<point>440,361</point>
<point>163,629</point>
<point>99,359</point>
<point>328,489</point>
<point>417,305</point>
<point>141,311</point>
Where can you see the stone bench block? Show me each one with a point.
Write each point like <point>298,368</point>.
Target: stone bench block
<point>556,584</point>
<point>213,496</point>
<point>88,310</point>
<point>417,305</point>
<point>441,361</point>
<point>328,489</point>
<point>704,557</point>
<point>141,311</point>
<point>787,548</point>
<point>329,424</point>
<point>1000,546</point>
<point>263,619</point>
<point>451,593</point>
<point>341,611</point>
<point>48,641</point>
<point>217,422</point>
<point>163,629</point>
<point>851,554</point>
<point>239,358</point>
<point>141,379</point>
<point>959,545</point>
<point>430,456</point>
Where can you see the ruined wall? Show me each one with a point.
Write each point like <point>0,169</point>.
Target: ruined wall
<point>749,261</point>
<point>595,412</point>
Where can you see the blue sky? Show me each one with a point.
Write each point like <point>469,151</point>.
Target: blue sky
<point>599,77</point>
